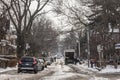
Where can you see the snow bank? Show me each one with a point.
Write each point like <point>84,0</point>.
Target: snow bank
<point>99,78</point>
<point>110,69</point>
<point>7,69</point>
<point>107,69</point>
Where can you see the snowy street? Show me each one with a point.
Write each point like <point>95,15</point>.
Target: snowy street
<point>59,39</point>
<point>58,72</point>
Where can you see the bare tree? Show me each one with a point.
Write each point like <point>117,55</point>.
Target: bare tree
<point>4,23</point>
<point>75,11</point>
<point>22,18</point>
<point>44,36</point>
<point>70,40</point>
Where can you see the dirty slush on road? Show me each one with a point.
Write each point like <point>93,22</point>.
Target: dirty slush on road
<point>13,75</point>
<point>65,73</point>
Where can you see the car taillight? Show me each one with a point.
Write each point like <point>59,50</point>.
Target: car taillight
<point>34,61</point>
<point>20,62</point>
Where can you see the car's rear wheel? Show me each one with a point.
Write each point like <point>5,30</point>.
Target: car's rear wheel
<point>45,66</point>
<point>42,68</point>
<point>35,71</point>
<point>18,71</point>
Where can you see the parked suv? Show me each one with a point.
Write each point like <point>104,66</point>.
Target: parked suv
<point>28,63</point>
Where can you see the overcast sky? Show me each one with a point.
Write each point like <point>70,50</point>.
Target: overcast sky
<point>60,22</point>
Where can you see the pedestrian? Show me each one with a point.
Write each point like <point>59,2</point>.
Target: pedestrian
<point>91,62</point>
<point>55,59</point>
<point>75,60</point>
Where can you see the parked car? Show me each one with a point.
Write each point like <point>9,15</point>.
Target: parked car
<point>48,60</point>
<point>28,63</point>
<point>43,62</point>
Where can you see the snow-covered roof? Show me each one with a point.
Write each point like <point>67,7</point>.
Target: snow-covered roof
<point>12,28</point>
<point>4,59</point>
<point>114,30</point>
<point>1,56</point>
<point>14,46</point>
<point>13,36</point>
<point>69,50</point>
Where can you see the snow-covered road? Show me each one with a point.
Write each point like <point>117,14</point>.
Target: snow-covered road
<point>58,72</point>
<point>53,72</point>
<point>63,73</point>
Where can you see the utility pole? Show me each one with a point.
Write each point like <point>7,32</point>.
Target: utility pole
<point>79,45</point>
<point>100,52</point>
<point>88,45</point>
<point>79,48</point>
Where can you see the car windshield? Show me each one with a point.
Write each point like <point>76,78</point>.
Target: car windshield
<point>27,60</point>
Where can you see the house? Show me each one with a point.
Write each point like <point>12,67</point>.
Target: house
<point>8,47</point>
<point>107,39</point>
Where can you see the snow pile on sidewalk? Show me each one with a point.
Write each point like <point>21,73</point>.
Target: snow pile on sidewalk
<point>7,69</point>
<point>110,69</point>
<point>98,78</point>
<point>107,69</point>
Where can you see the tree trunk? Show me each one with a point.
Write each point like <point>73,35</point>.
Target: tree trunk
<point>20,45</point>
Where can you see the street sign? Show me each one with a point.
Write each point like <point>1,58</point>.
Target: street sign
<point>27,46</point>
<point>99,48</point>
<point>117,46</point>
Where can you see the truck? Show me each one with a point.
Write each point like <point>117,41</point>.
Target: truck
<point>69,56</point>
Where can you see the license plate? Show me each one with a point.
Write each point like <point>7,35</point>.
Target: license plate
<point>27,64</point>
